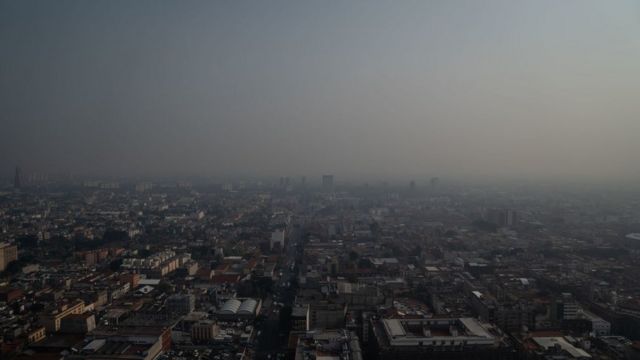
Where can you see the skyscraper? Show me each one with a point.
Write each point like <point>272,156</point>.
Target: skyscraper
<point>501,217</point>
<point>16,178</point>
<point>434,183</point>
<point>327,182</point>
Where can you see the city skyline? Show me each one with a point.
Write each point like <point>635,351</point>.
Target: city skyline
<point>319,180</point>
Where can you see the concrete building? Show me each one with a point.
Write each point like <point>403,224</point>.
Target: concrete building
<point>8,253</point>
<point>78,323</point>
<point>300,318</point>
<point>323,315</point>
<point>558,346</point>
<point>565,308</point>
<point>9,294</point>
<point>204,330</point>
<point>53,319</point>
<point>36,334</point>
<point>277,240</point>
<point>157,265</point>
<point>440,338</point>
<point>110,349</point>
<point>599,326</point>
<point>181,304</point>
<point>327,182</point>
<point>501,217</point>
<point>335,344</point>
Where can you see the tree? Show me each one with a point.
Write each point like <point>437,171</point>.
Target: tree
<point>115,265</point>
<point>364,263</point>
<point>13,267</point>
<point>164,287</point>
<point>143,253</point>
<point>353,256</point>
<point>36,308</point>
<point>27,241</point>
<point>112,235</point>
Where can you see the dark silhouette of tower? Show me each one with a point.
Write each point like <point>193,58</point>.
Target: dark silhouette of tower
<point>327,182</point>
<point>16,178</point>
<point>434,183</point>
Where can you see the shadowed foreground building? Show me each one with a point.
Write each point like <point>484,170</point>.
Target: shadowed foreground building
<point>135,341</point>
<point>447,338</point>
<point>329,344</point>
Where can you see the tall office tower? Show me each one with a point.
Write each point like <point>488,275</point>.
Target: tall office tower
<point>434,183</point>
<point>511,218</point>
<point>16,178</point>
<point>501,217</point>
<point>8,253</point>
<point>327,182</point>
<point>564,307</point>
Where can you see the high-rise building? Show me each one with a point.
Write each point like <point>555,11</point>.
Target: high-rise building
<point>501,217</point>
<point>434,183</point>
<point>327,182</point>
<point>8,253</point>
<point>565,308</point>
<point>16,178</point>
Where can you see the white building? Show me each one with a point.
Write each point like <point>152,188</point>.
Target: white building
<point>277,237</point>
<point>599,326</point>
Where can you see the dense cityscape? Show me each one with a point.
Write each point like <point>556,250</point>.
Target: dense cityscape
<point>319,180</point>
<point>297,269</point>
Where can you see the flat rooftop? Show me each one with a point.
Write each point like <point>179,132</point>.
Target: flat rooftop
<point>436,332</point>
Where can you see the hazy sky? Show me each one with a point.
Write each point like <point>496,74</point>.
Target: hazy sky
<point>390,88</point>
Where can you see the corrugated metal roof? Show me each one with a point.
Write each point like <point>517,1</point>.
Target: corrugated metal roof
<point>231,306</point>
